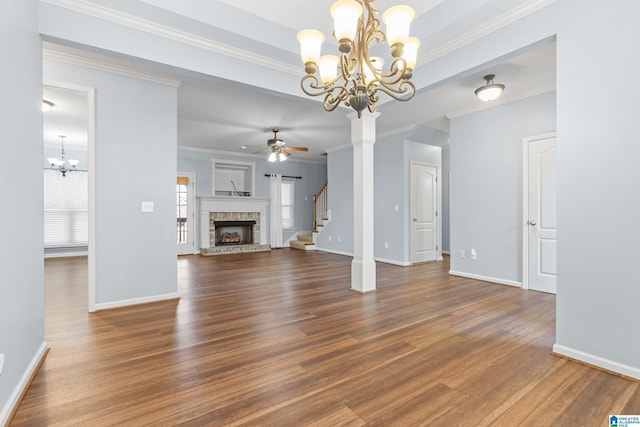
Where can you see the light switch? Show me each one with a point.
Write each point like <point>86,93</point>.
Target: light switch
<point>396,207</point>
<point>1,362</point>
<point>147,206</point>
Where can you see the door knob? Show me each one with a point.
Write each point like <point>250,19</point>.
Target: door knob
<point>415,219</point>
<point>532,223</point>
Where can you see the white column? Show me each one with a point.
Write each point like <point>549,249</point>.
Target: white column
<point>363,136</point>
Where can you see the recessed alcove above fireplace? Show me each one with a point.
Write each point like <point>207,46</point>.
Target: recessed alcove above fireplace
<point>233,225</point>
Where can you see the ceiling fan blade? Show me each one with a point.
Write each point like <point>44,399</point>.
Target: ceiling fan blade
<point>296,148</point>
<point>285,153</point>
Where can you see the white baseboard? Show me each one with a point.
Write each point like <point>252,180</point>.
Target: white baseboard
<point>445,253</point>
<point>331,251</point>
<point>393,262</point>
<point>600,362</point>
<point>486,278</point>
<point>20,388</point>
<point>136,301</point>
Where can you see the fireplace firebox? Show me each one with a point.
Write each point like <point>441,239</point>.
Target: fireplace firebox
<point>233,232</point>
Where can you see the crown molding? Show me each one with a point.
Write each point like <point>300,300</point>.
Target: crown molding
<point>485,29</point>
<point>131,21</point>
<point>83,61</point>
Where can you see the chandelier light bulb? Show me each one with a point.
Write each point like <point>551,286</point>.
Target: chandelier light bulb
<point>410,54</point>
<point>369,75</point>
<point>346,14</point>
<point>310,48</point>
<point>398,21</point>
<point>272,157</point>
<point>328,68</point>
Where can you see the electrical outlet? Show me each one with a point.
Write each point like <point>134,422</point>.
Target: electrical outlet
<point>463,253</point>
<point>386,245</point>
<point>1,362</point>
<point>330,238</point>
<point>396,208</point>
<point>472,254</point>
<point>338,239</point>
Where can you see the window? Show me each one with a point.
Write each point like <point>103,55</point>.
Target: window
<point>65,209</point>
<point>182,189</point>
<point>288,193</point>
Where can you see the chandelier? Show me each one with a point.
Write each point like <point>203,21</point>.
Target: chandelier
<point>63,165</point>
<point>356,78</point>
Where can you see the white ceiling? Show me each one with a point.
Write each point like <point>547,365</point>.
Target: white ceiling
<point>223,115</point>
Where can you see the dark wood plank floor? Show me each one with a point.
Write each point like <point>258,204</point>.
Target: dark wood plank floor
<point>278,339</point>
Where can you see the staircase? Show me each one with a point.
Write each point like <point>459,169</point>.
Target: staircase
<point>321,217</point>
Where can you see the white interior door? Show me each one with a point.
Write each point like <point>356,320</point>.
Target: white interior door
<point>185,213</point>
<point>423,213</point>
<point>541,222</point>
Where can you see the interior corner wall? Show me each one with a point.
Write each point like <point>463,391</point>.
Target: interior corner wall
<point>446,167</point>
<point>598,176</point>
<point>21,255</point>
<point>389,184</point>
<point>135,161</point>
<point>486,185</point>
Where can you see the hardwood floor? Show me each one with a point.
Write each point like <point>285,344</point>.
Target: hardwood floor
<point>278,339</point>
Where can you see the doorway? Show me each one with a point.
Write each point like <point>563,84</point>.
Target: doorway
<point>424,219</point>
<point>185,213</point>
<point>73,115</point>
<point>539,214</point>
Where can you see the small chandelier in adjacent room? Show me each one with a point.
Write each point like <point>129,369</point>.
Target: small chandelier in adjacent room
<point>356,78</point>
<point>63,165</point>
<point>491,90</point>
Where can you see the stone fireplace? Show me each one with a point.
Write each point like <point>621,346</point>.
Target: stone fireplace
<point>233,225</point>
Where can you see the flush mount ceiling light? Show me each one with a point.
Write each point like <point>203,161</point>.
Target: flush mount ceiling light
<point>491,90</point>
<point>356,78</point>
<point>63,165</point>
<point>46,105</point>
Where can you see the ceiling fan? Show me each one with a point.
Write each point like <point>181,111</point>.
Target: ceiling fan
<point>277,149</point>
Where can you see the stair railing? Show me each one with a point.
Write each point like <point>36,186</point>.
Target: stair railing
<point>320,206</point>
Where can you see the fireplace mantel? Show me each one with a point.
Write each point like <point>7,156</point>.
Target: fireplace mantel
<point>231,204</point>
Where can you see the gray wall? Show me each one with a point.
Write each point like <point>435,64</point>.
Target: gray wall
<point>313,177</point>
<point>136,127</point>
<point>486,184</point>
<point>392,157</point>
<point>22,283</point>
<point>598,177</point>
<point>340,201</point>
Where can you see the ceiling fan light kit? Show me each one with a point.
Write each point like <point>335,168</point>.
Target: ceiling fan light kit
<point>278,151</point>
<point>490,91</point>
<point>355,78</point>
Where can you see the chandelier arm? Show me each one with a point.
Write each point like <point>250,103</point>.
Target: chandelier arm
<point>404,91</point>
